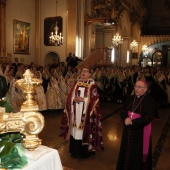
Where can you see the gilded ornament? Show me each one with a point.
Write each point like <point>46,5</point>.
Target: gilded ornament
<point>28,121</point>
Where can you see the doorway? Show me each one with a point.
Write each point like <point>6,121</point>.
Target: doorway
<point>50,56</point>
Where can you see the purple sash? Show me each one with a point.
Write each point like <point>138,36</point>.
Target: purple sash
<point>146,134</point>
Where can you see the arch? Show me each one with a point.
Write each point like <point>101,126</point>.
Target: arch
<point>158,58</point>
<point>50,56</point>
<point>144,61</point>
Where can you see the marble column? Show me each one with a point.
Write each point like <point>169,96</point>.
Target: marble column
<point>2,26</point>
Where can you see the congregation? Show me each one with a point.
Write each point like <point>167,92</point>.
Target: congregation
<point>113,83</point>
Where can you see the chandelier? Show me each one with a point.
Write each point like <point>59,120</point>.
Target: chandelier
<point>116,40</point>
<point>133,46</point>
<point>144,48</point>
<point>56,38</point>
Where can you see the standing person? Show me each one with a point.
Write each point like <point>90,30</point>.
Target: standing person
<point>75,60</point>
<point>68,59</point>
<point>81,121</point>
<point>120,87</point>
<point>136,147</point>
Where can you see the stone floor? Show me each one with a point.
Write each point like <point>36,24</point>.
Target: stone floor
<point>112,129</point>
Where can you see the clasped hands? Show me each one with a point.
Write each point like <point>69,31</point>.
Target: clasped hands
<point>128,121</point>
<point>78,99</point>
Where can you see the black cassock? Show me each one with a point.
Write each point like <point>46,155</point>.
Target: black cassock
<point>131,155</point>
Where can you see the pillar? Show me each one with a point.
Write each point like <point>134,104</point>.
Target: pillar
<point>71,25</point>
<point>2,26</point>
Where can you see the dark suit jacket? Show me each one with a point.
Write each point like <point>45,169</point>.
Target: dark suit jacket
<point>3,87</point>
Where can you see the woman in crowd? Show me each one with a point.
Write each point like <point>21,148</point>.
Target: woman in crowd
<point>112,83</point>
<point>53,97</point>
<point>98,78</point>
<point>39,94</point>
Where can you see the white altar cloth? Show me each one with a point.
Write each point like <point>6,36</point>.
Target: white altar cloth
<point>43,158</point>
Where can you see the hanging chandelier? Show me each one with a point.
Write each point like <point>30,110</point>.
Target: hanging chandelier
<point>134,45</point>
<point>56,38</point>
<point>144,48</point>
<point>116,40</point>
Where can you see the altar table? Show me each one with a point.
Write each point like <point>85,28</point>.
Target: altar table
<point>43,158</point>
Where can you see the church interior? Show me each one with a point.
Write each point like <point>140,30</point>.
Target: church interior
<point>102,33</point>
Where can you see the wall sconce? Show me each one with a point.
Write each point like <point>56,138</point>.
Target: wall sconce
<point>117,39</point>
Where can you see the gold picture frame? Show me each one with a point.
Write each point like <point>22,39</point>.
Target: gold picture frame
<point>21,37</point>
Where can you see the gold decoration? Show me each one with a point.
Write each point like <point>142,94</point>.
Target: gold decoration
<point>27,85</point>
<point>81,126</point>
<point>28,121</point>
<point>74,124</point>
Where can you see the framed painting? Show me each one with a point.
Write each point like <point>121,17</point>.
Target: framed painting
<point>53,31</point>
<point>21,37</point>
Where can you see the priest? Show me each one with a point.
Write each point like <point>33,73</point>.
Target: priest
<point>81,120</point>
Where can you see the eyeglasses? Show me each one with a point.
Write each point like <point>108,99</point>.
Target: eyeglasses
<point>139,87</point>
<point>85,71</point>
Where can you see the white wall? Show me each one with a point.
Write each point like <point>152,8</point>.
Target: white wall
<point>48,9</point>
<point>22,10</point>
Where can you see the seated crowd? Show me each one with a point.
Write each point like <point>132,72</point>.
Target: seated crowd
<point>114,83</point>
